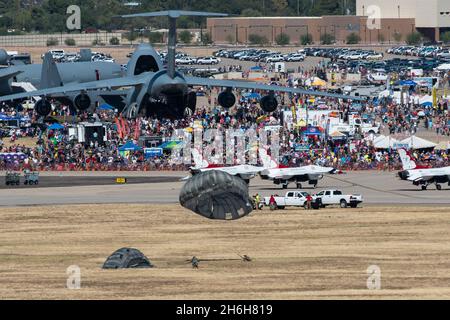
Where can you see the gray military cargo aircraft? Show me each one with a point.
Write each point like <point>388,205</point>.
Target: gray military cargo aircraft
<point>158,90</point>
<point>51,75</point>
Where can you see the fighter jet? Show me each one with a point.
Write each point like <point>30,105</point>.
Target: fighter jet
<point>282,175</point>
<point>245,172</point>
<point>165,92</point>
<point>420,175</point>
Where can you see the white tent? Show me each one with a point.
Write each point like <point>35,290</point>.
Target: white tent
<point>384,94</point>
<point>418,143</point>
<point>443,145</point>
<point>426,99</point>
<point>444,67</point>
<point>383,142</point>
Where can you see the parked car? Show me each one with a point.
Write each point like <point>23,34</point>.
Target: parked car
<point>337,197</point>
<point>208,60</point>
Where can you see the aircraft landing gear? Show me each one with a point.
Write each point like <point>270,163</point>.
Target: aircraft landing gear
<point>424,187</point>
<point>299,185</point>
<point>438,187</point>
<point>132,111</point>
<point>285,185</point>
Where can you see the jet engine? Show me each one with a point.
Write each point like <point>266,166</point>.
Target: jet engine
<point>269,103</point>
<point>43,107</point>
<point>227,99</point>
<point>191,100</point>
<point>82,102</point>
<point>3,57</point>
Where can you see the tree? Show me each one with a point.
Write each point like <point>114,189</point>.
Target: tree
<point>256,39</point>
<point>445,37</point>
<point>280,6</point>
<point>327,7</point>
<point>230,39</point>
<point>249,12</point>
<point>353,38</point>
<point>414,38</point>
<point>97,42</point>
<point>327,39</point>
<point>155,37</point>
<point>282,39</point>
<point>114,41</point>
<point>306,39</point>
<point>185,36</point>
<point>52,42</point>
<point>130,36</point>
<point>206,39</point>
<point>398,37</point>
<point>70,42</point>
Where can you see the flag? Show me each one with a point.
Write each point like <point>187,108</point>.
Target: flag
<point>137,129</point>
<point>119,127</point>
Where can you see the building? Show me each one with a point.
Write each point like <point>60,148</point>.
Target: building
<point>238,29</point>
<point>431,17</point>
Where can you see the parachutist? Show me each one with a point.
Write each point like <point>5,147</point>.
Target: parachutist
<point>195,262</point>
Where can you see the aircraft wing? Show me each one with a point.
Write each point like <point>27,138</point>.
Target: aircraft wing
<point>252,85</point>
<point>6,74</point>
<point>95,85</point>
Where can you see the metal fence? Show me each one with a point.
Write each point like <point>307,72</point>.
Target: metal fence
<point>39,40</point>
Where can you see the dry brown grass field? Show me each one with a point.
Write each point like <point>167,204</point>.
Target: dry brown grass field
<point>296,254</point>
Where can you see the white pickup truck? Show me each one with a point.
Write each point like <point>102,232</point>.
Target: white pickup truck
<point>292,199</point>
<point>336,197</point>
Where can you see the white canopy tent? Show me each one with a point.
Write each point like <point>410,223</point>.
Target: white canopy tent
<point>418,143</point>
<point>444,67</point>
<point>384,142</point>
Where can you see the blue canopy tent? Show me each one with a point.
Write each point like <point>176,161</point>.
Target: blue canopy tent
<point>129,146</point>
<point>256,68</point>
<point>408,83</point>
<point>56,126</point>
<point>170,145</point>
<point>153,152</point>
<point>106,107</point>
<point>251,95</point>
<point>427,104</point>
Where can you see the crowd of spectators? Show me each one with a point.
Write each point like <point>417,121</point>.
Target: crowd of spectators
<point>54,150</point>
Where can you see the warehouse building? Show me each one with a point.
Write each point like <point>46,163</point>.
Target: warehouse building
<point>387,21</point>
<point>431,17</point>
<point>239,29</point>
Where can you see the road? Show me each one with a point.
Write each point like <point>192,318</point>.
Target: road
<point>377,188</point>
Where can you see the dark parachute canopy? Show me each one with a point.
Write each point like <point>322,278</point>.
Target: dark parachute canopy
<point>216,195</point>
<point>127,258</point>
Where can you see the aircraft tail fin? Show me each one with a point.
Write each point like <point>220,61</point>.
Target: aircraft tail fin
<point>86,55</point>
<point>173,15</point>
<point>199,161</point>
<point>408,162</point>
<point>50,77</point>
<point>267,161</point>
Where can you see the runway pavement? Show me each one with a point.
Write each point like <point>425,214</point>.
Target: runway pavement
<point>378,188</point>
